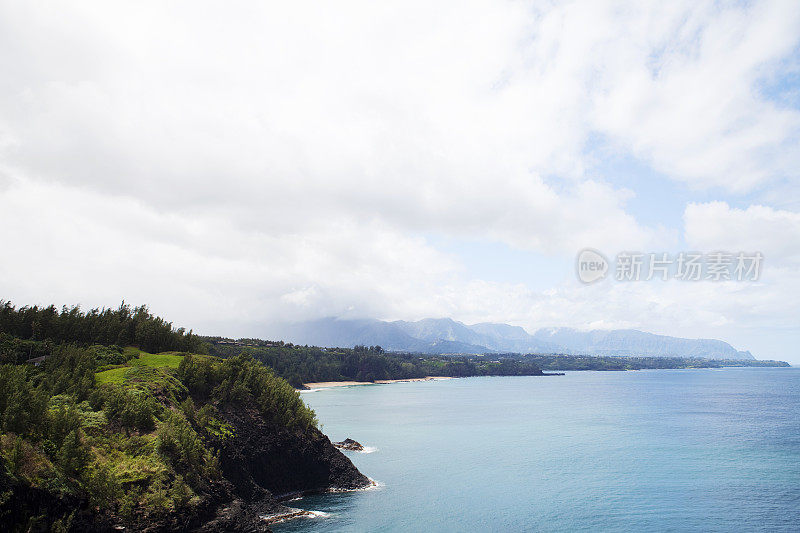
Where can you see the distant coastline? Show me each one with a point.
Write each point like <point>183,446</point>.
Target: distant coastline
<point>328,384</point>
<point>307,366</point>
<point>553,372</point>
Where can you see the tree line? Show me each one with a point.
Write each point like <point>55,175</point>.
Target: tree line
<point>592,362</point>
<point>306,364</point>
<point>123,326</point>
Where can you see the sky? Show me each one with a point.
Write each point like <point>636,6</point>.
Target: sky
<point>235,165</point>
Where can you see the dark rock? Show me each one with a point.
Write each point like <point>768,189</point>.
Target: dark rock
<point>238,515</point>
<point>286,463</point>
<point>349,444</point>
<point>262,464</point>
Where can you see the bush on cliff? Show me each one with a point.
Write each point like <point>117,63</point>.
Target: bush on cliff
<point>243,380</point>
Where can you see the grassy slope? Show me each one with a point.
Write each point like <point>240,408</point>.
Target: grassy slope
<point>138,467</point>
<point>122,373</point>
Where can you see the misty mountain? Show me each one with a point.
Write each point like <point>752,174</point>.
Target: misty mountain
<point>631,342</point>
<point>447,336</point>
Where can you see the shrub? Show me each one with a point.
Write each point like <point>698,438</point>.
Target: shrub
<point>73,455</point>
<point>179,442</point>
<point>63,421</point>
<point>23,407</point>
<point>130,408</point>
<point>102,485</point>
<point>198,374</point>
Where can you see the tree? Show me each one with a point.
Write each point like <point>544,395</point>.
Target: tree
<point>73,456</point>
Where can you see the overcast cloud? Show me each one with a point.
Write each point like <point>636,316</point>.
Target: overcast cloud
<point>236,164</point>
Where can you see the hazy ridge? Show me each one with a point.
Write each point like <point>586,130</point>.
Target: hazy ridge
<point>444,335</point>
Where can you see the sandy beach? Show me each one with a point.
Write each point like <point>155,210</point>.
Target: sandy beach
<point>326,384</point>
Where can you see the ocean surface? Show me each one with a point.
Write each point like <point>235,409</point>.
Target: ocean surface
<point>654,450</point>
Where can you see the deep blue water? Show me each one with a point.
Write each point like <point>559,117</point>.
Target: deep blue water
<point>660,450</point>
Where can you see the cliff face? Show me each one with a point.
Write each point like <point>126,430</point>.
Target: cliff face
<point>261,464</point>
<point>264,463</point>
<point>283,462</point>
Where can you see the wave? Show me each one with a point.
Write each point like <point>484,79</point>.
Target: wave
<point>376,485</point>
<point>292,513</point>
<point>304,391</point>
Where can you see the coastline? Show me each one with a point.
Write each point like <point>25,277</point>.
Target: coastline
<point>328,384</point>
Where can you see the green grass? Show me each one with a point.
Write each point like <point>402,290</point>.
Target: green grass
<point>144,359</point>
<point>153,374</point>
<point>115,375</point>
<point>170,360</point>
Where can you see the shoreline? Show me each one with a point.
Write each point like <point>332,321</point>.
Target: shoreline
<point>291,513</point>
<point>329,384</point>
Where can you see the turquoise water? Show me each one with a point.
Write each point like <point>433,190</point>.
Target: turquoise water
<point>661,450</point>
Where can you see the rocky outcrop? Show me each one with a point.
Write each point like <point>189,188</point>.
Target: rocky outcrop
<point>350,445</point>
<point>286,463</point>
<point>262,464</point>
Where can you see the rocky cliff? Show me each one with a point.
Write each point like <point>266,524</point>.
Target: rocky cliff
<point>261,465</point>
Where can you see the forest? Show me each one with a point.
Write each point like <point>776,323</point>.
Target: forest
<point>306,364</point>
<point>123,326</point>
<point>586,362</point>
<point>122,432</point>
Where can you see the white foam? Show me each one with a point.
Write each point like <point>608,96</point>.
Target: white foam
<point>373,485</point>
<point>283,517</point>
<point>304,391</point>
<point>293,513</point>
<point>368,449</point>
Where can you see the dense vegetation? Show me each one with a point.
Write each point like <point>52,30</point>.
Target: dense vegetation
<point>124,326</point>
<point>306,364</point>
<point>135,434</point>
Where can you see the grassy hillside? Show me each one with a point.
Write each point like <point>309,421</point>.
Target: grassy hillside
<point>128,436</point>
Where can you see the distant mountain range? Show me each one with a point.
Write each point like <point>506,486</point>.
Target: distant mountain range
<point>447,336</point>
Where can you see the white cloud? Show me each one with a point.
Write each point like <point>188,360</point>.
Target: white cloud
<point>685,92</point>
<point>717,226</point>
<point>440,119</point>
<point>71,246</point>
<point>280,160</point>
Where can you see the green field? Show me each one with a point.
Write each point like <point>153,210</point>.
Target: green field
<point>144,359</point>
<point>168,359</point>
<point>115,375</point>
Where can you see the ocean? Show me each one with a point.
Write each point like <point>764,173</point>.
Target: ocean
<point>655,450</point>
